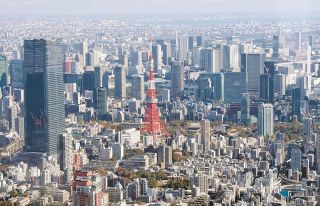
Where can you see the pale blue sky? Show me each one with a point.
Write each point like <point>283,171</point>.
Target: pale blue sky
<point>90,7</point>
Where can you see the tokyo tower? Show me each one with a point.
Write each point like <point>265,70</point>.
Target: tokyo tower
<point>152,124</point>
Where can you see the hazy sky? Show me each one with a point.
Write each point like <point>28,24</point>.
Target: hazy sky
<point>91,7</point>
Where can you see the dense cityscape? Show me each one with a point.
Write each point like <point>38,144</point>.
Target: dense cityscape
<point>201,109</point>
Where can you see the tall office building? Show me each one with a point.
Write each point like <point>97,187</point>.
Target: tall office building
<point>308,69</point>
<point>124,60</point>
<point>245,109</point>
<point>210,60</point>
<point>4,71</point>
<point>174,48</point>
<point>157,56</point>
<point>296,102</point>
<point>307,133</point>
<point>166,53</point>
<point>267,88</point>
<point>252,66</point>
<point>307,126</point>
<point>88,81</point>
<point>278,45</point>
<point>280,84</point>
<point>98,73</point>
<point>267,82</point>
<point>65,151</point>
<point>304,83</point>
<point>16,73</point>
<point>311,41</point>
<point>196,56</point>
<point>224,57</point>
<point>234,85</point>
<point>190,42</point>
<point>84,51</point>
<point>205,89</point>
<point>101,102</point>
<point>205,135</point>
<point>297,39</point>
<point>265,120</point>
<point>295,158</point>
<point>177,79</point>
<point>44,95</point>
<point>12,115</point>
<point>89,59</point>
<point>182,48</point>
<point>217,83</point>
<point>136,58</point>
<point>120,82</point>
<point>199,41</point>
<point>138,87</point>
<point>233,57</point>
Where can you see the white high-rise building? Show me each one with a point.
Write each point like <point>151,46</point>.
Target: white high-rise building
<point>65,141</point>
<point>265,119</point>
<point>298,41</point>
<point>157,57</point>
<point>84,51</point>
<point>234,58</point>
<point>182,48</point>
<point>308,60</point>
<point>205,134</point>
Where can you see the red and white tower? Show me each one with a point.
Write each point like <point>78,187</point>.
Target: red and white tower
<point>152,124</point>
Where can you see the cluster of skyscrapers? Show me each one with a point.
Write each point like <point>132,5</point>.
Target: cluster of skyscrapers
<point>235,114</point>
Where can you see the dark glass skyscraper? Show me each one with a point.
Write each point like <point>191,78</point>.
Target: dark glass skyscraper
<point>44,95</point>
<point>4,72</point>
<point>245,108</point>
<point>16,73</point>
<point>252,65</point>
<point>296,102</point>
<point>217,82</point>
<point>88,81</point>
<point>177,79</point>
<point>120,82</point>
<point>267,82</point>
<point>234,85</point>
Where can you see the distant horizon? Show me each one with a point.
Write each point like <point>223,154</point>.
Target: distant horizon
<point>269,14</point>
<point>155,7</point>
